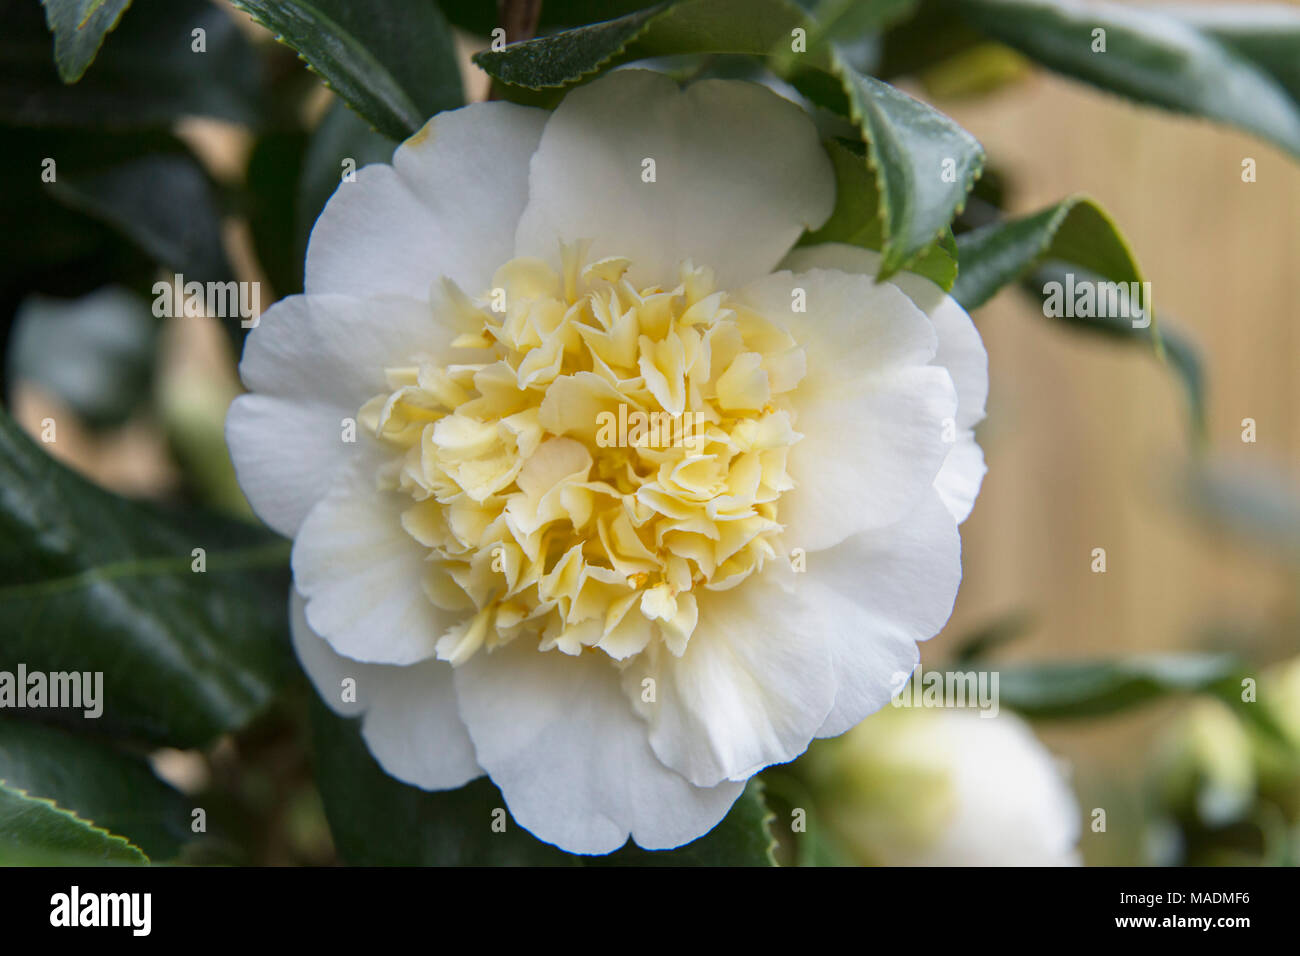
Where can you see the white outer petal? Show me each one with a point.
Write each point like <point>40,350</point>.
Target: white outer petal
<point>880,592</point>
<point>448,206</point>
<point>751,689</point>
<point>961,351</point>
<point>361,575</point>
<point>310,363</point>
<point>739,174</point>
<point>559,739</point>
<point>411,725</point>
<point>872,407</point>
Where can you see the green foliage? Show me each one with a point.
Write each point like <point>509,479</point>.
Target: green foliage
<point>79,27</point>
<point>391,60</point>
<point>1093,688</point>
<point>93,582</point>
<point>96,782</point>
<point>1161,59</point>
<point>36,832</point>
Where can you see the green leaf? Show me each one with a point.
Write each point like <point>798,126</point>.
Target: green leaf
<point>479,18</point>
<point>1268,35</point>
<point>95,583</point>
<point>147,75</point>
<point>1258,504</point>
<point>95,353</point>
<point>1170,346</point>
<point>79,28</point>
<point>1074,237</point>
<point>379,821</point>
<point>857,221</point>
<point>685,26</point>
<point>1150,57</point>
<point>36,832</point>
<point>1075,230</point>
<point>116,790</point>
<point>1093,688</point>
<point>163,202</point>
<point>392,60</point>
<point>924,165</point>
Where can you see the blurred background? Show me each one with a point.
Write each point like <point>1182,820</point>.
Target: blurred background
<point>1087,443</point>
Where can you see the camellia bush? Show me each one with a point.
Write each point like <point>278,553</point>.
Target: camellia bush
<point>609,413</point>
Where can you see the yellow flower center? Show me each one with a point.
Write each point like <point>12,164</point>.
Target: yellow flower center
<point>603,454</point>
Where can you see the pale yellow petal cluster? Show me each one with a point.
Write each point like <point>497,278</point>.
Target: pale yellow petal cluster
<point>603,454</point>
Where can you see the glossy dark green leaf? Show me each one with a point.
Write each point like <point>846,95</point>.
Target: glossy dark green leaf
<point>477,17</point>
<point>685,26</point>
<point>1092,688</point>
<point>148,73</point>
<point>924,165</point>
<point>393,61</point>
<point>1075,230</point>
<point>95,583</point>
<point>857,218</point>
<point>1149,56</point>
<point>114,790</point>
<point>79,27</point>
<point>36,832</point>
<point>96,353</point>
<point>377,820</point>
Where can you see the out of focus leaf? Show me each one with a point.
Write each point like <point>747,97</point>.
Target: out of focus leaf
<point>1258,503</point>
<point>1153,58</point>
<point>36,832</point>
<point>393,61</point>
<point>1266,34</point>
<point>1093,688</point>
<point>147,75</point>
<point>93,582</point>
<point>274,168</point>
<point>79,27</point>
<point>95,354</point>
<point>115,790</point>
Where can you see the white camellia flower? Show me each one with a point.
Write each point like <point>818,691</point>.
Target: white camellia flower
<point>947,787</point>
<point>612,627</point>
